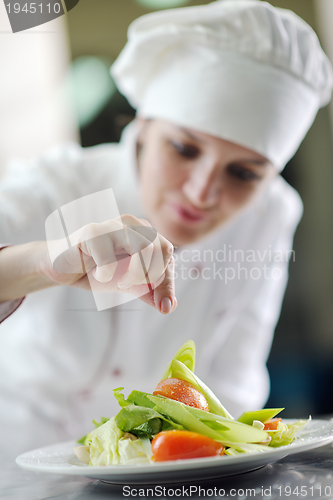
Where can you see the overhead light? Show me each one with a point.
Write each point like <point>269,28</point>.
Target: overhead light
<point>162,4</point>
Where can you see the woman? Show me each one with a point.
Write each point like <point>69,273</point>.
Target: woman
<point>225,93</point>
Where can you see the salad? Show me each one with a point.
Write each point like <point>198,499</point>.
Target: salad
<point>181,419</point>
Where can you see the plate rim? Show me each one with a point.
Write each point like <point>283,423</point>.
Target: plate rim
<point>267,457</point>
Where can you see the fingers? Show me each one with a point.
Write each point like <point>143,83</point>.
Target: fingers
<point>130,220</point>
<point>104,242</point>
<point>164,295</point>
<point>137,270</point>
<point>145,222</point>
<point>146,261</point>
<point>148,298</point>
<point>163,251</point>
<point>101,248</point>
<point>147,264</point>
<point>104,274</point>
<point>103,253</point>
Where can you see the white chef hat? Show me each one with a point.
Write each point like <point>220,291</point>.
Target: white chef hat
<point>241,70</point>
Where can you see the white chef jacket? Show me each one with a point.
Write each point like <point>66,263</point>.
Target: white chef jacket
<point>60,358</point>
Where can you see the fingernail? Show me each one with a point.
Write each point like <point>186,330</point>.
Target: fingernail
<point>166,305</point>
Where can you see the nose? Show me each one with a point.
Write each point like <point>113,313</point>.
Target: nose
<point>202,187</point>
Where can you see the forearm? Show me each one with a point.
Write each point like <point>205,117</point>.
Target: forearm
<point>20,271</point>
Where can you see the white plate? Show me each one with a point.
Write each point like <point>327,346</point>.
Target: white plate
<point>60,459</point>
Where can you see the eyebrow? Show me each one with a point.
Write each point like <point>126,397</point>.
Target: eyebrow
<point>190,135</point>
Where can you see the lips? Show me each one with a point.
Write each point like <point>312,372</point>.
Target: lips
<point>189,214</point>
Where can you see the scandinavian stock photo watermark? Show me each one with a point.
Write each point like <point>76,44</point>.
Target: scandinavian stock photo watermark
<point>228,263</point>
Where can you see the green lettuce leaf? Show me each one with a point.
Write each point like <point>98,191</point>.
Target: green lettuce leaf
<point>120,397</point>
<point>262,415</point>
<point>103,444</point>
<point>179,370</point>
<point>182,366</point>
<point>102,422</point>
<point>212,425</point>
<point>140,398</point>
<point>133,451</point>
<point>84,439</point>
<point>139,420</point>
<point>186,355</point>
<point>285,433</point>
<point>108,445</point>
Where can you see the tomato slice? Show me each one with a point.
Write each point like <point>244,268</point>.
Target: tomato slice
<point>272,424</point>
<point>176,445</point>
<point>180,390</point>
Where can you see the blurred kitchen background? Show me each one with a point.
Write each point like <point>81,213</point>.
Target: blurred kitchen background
<point>56,87</point>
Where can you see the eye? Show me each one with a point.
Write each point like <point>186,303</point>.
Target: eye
<point>242,173</point>
<point>185,150</point>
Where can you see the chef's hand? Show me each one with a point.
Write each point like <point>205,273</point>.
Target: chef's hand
<point>120,255</point>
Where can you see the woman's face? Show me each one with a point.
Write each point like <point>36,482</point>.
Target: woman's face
<point>192,183</point>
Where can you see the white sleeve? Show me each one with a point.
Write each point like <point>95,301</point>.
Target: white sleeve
<point>8,308</point>
<point>32,190</point>
<point>236,355</point>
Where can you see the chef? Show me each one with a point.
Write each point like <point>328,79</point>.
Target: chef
<point>224,93</point>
